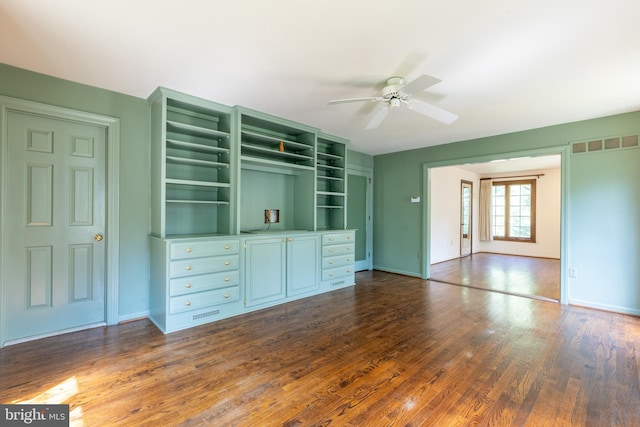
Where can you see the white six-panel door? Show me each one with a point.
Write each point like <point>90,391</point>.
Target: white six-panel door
<point>55,225</point>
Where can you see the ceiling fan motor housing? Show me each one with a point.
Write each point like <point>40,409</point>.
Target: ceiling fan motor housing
<point>392,91</point>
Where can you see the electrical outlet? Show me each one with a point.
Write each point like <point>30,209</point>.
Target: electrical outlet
<point>573,272</point>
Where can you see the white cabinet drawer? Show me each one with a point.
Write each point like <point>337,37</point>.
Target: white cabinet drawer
<point>204,282</point>
<point>337,261</point>
<point>203,265</point>
<point>338,249</point>
<point>335,273</point>
<point>329,239</point>
<point>203,299</point>
<point>205,248</point>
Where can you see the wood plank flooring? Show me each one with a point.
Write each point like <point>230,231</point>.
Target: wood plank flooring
<point>391,351</point>
<point>517,275</point>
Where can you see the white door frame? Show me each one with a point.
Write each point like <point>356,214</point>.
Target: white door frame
<point>464,183</point>
<point>368,174</point>
<point>112,127</point>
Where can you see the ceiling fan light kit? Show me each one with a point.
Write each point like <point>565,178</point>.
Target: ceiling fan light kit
<point>397,92</point>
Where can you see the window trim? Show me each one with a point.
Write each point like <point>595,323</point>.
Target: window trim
<point>507,217</point>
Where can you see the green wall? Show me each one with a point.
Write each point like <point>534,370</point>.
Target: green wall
<point>399,237</point>
<point>399,225</point>
<point>134,168</point>
<point>359,160</point>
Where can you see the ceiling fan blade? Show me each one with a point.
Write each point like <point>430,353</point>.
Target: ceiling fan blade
<point>420,83</point>
<point>434,112</point>
<point>344,101</point>
<point>378,117</point>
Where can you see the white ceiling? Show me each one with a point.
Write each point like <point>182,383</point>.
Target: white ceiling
<point>506,65</point>
<point>511,165</point>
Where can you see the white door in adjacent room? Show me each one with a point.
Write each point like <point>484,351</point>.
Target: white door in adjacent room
<point>466,196</point>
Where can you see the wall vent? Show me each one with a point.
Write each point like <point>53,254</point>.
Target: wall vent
<point>595,145</point>
<point>579,147</point>
<point>207,314</point>
<point>630,141</point>
<point>611,143</point>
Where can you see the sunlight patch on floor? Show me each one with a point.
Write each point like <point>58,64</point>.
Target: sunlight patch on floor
<point>60,393</point>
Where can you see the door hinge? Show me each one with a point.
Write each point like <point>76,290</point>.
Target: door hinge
<point>244,245</point>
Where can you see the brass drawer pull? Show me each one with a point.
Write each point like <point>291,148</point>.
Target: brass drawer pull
<point>226,296</point>
<point>188,268</point>
<point>187,285</point>
<point>330,238</point>
<point>226,263</point>
<point>227,246</point>
<point>188,250</point>
<point>226,279</point>
<point>330,274</point>
<point>330,262</point>
<point>187,303</point>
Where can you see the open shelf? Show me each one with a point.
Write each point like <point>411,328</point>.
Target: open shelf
<point>197,183</point>
<point>330,182</point>
<point>197,147</point>
<point>195,162</point>
<point>189,129</point>
<point>193,165</point>
<point>275,141</point>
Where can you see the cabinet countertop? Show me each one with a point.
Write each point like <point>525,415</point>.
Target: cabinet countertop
<point>248,234</point>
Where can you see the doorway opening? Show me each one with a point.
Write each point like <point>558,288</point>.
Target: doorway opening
<point>531,269</point>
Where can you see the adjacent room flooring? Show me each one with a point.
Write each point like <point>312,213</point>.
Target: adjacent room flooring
<point>393,350</point>
<point>516,275</point>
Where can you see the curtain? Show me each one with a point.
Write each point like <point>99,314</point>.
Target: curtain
<point>484,214</point>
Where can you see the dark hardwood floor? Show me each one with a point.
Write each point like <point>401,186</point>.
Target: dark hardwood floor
<point>391,351</point>
<point>517,275</point>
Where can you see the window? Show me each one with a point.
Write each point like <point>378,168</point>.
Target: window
<point>513,211</point>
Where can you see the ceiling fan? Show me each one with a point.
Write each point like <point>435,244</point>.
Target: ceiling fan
<point>396,93</point>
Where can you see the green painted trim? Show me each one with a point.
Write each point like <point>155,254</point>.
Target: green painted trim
<point>368,174</point>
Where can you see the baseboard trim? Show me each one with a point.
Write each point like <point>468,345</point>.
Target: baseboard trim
<point>401,272</point>
<point>134,316</point>
<point>604,307</point>
<point>55,333</point>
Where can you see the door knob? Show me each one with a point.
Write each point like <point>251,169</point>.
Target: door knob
<point>98,237</point>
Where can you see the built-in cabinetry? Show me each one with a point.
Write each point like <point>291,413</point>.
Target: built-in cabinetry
<point>192,165</point>
<point>280,267</point>
<point>194,281</point>
<point>214,171</point>
<point>338,257</point>
<point>331,185</point>
<point>277,171</point>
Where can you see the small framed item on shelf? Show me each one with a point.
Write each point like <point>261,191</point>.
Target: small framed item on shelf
<point>271,216</point>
